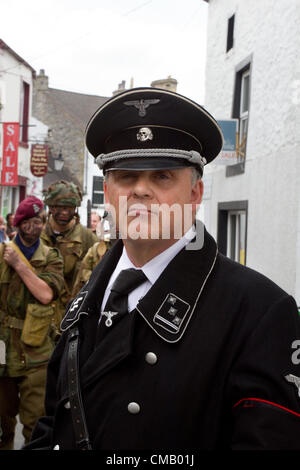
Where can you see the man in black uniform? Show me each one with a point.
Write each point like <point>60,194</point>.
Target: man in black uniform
<point>178,347</point>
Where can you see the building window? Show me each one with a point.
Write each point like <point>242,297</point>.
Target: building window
<point>232,230</point>
<point>241,106</point>
<point>244,111</point>
<point>236,235</point>
<point>98,193</point>
<point>24,112</point>
<point>230,31</point>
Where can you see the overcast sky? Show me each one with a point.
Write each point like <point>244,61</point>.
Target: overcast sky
<point>90,46</point>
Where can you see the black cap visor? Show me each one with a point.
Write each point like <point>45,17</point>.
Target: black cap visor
<point>154,163</point>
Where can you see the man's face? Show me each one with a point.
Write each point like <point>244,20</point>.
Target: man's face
<point>94,221</point>
<point>10,220</point>
<point>30,229</point>
<point>62,214</point>
<point>141,202</point>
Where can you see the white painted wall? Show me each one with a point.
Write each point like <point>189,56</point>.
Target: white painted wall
<point>12,75</point>
<point>269,31</point>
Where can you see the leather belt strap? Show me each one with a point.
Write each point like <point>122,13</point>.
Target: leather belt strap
<point>76,404</point>
<point>11,322</point>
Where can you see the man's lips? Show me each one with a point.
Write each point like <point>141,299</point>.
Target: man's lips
<point>139,210</point>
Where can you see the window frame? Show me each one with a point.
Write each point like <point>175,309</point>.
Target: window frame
<point>97,192</point>
<point>235,237</point>
<point>230,33</point>
<point>225,209</point>
<point>24,112</point>
<point>243,70</point>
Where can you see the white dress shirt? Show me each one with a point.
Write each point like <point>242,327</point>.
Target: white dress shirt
<point>152,270</point>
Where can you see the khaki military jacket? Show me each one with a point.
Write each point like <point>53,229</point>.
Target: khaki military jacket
<point>73,246</point>
<point>89,262</point>
<point>25,323</point>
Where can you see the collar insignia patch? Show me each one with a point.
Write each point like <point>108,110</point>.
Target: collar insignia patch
<point>74,311</point>
<point>171,313</point>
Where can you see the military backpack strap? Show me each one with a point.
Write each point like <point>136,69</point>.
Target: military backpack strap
<point>2,246</point>
<point>20,254</point>
<point>76,404</point>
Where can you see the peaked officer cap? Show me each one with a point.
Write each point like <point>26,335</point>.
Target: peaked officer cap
<point>152,128</point>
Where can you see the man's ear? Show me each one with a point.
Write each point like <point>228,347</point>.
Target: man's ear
<point>106,198</point>
<point>197,192</point>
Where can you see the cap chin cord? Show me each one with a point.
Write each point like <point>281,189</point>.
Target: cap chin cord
<point>191,156</point>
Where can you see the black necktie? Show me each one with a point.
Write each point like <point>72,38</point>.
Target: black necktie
<point>117,303</point>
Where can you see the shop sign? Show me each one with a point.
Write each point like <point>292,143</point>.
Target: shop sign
<point>39,159</point>
<point>9,175</point>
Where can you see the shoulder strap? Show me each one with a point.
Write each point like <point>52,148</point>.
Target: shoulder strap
<point>76,404</point>
<point>20,254</point>
<point>2,245</point>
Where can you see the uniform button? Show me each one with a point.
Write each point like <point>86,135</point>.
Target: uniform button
<point>134,408</point>
<point>67,405</point>
<point>151,358</point>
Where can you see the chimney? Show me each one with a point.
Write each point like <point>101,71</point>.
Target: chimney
<point>168,83</point>
<point>41,81</point>
<point>121,87</point>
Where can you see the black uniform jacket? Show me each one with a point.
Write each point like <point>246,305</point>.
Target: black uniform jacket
<point>227,344</point>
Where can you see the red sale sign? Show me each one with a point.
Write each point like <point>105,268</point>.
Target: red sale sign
<point>9,175</point>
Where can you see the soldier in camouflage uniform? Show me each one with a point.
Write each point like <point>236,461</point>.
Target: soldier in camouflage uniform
<point>64,231</point>
<point>89,262</point>
<point>31,276</point>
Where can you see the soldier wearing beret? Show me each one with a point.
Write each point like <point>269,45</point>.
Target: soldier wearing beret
<point>64,232</point>
<point>31,276</point>
<point>169,345</point>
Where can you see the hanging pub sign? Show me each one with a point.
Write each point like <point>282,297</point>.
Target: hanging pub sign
<point>39,159</point>
<point>9,174</point>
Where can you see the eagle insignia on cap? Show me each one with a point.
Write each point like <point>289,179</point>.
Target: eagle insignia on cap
<point>144,134</point>
<point>141,105</point>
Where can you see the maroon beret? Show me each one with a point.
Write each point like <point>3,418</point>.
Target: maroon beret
<point>29,207</point>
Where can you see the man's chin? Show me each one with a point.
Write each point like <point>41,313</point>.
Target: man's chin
<point>29,241</point>
<point>62,222</point>
<point>144,236</point>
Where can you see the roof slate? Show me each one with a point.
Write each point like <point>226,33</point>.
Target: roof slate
<point>78,106</point>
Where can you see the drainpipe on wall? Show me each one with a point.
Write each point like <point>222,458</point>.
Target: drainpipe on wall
<point>297,255</point>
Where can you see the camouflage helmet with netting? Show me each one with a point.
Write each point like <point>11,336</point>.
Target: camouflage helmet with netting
<point>62,193</point>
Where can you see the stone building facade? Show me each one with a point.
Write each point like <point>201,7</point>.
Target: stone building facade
<point>253,75</point>
<point>66,114</point>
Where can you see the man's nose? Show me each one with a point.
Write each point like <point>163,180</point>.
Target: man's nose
<point>29,228</point>
<point>64,211</point>
<point>142,187</point>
